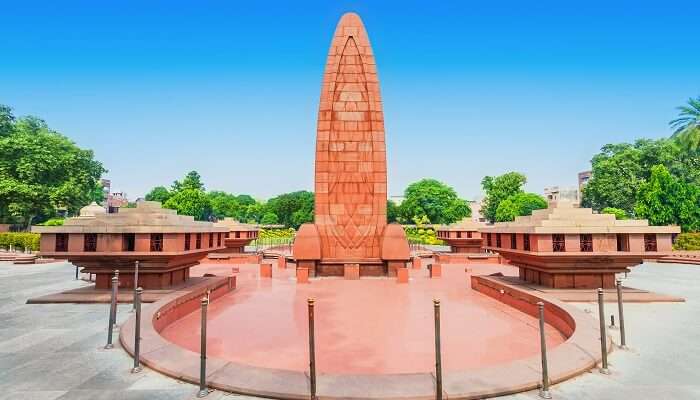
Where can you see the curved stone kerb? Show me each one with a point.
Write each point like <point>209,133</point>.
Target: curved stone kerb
<point>578,354</point>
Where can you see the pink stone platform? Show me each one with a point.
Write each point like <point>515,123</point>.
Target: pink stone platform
<point>238,364</point>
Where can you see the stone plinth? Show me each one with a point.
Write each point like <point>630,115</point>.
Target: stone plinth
<point>467,258</point>
<point>165,244</point>
<point>416,262</point>
<point>352,271</point>
<point>463,236</point>
<point>350,223</point>
<point>435,270</point>
<point>402,275</point>
<point>266,270</point>
<point>567,247</point>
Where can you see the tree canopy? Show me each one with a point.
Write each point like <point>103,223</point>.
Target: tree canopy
<point>620,169</point>
<point>190,202</point>
<point>42,170</point>
<point>158,193</point>
<point>434,200</point>
<point>665,200</point>
<point>687,125</point>
<point>293,209</point>
<point>519,204</point>
<point>498,189</point>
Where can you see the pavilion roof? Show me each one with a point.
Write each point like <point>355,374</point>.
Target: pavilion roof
<point>563,217</point>
<point>147,217</point>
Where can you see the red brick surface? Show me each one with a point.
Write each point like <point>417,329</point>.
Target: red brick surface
<point>350,149</point>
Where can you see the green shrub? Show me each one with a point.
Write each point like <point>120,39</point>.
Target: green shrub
<point>19,240</point>
<point>617,212</point>
<point>421,235</point>
<point>687,241</point>
<point>54,222</point>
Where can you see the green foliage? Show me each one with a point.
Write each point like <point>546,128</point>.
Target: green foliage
<point>192,181</point>
<point>293,209</point>
<point>518,205</point>
<point>245,200</point>
<point>7,121</point>
<point>498,189</point>
<point>269,218</point>
<point>159,193</point>
<point>19,240</point>
<point>687,125</point>
<point>665,200</point>
<point>54,222</point>
<point>224,205</point>
<point>618,213</point>
<point>687,241</point>
<point>620,169</point>
<point>420,233</point>
<point>41,170</point>
<point>192,202</point>
<point>435,200</point>
<point>392,212</point>
<point>266,233</point>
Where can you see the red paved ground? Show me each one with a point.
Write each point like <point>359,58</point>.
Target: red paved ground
<point>365,326</point>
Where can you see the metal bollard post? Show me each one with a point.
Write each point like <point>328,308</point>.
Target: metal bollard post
<point>203,391</point>
<point>76,272</point>
<point>137,333</point>
<point>112,308</point>
<point>612,321</point>
<point>621,316</point>
<point>438,354</point>
<point>603,335</point>
<point>136,284</point>
<point>115,288</point>
<point>544,391</point>
<point>312,350</point>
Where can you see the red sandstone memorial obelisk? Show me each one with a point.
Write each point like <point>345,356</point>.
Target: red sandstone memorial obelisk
<point>350,230</point>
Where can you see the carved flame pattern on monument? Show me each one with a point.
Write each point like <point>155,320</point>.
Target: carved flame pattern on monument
<point>350,149</point>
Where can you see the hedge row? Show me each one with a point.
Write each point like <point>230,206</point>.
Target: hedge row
<point>19,240</point>
<point>687,241</point>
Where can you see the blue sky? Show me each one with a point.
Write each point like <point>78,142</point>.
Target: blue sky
<point>231,88</point>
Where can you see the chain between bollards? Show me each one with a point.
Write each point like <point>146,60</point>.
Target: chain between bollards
<point>544,391</point>
<point>203,391</point>
<point>312,350</point>
<point>603,335</point>
<point>136,282</point>
<point>137,332</point>
<point>438,353</point>
<point>621,316</point>
<point>112,310</point>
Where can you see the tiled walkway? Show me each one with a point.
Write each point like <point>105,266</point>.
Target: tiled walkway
<point>55,351</point>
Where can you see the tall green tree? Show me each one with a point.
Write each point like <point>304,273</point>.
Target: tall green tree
<point>434,200</point>
<point>192,202</point>
<point>665,200</point>
<point>41,170</point>
<point>224,204</point>
<point>620,169</point>
<point>392,211</point>
<point>191,181</point>
<point>519,204</point>
<point>7,121</point>
<point>498,189</point>
<point>686,128</point>
<point>286,205</point>
<point>269,218</point>
<point>159,193</point>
